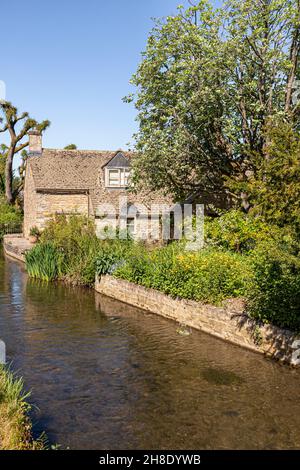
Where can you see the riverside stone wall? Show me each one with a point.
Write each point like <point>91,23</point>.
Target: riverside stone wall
<point>16,246</point>
<point>228,322</point>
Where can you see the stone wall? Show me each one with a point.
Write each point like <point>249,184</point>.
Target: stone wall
<point>40,207</point>
<point>227,322</point>
<point>49,204</point>
<point>145,229</point>
<point>16,246</point>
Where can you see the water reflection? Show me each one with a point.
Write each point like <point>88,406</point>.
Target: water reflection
<point>106,375</point>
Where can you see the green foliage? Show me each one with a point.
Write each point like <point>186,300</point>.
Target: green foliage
<point>34,231</point>
<point>207,276</point>
<point>70,147</point>
<point>272,256</point>
<point>105,262</point>
<point>44,262</point>
<point>209,81</point>
<point>12,388</point>
<point>76,240</point>
<point>274,292</point>
<point>113,254</point>
<point>64,231</point>
<point>9,213</point>
<point>240,232</point>
<point>10,218</point>
<point>76,250</point>
<point>275,190</point>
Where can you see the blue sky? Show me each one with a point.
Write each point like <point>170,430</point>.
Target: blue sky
<point>70,61</point>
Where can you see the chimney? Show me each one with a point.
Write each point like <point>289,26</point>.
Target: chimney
<point>35,142</point>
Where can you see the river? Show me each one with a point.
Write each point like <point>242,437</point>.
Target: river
<point>105,375</point>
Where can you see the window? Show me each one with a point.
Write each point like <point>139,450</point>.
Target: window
<point>114,177</point>
<point>130,223</point>
<point>118,177</point>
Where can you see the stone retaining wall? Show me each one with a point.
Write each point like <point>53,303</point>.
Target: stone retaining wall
<point>228,322</point>
<point>15,246</point>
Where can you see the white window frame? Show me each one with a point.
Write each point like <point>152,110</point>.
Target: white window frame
<point>121,180</point>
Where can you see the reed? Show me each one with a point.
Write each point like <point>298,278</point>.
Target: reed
<point>43,262</point>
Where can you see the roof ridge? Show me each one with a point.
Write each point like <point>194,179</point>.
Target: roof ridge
<point>86,151</point>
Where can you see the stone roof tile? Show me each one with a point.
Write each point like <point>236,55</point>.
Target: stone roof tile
<point>82,170</point>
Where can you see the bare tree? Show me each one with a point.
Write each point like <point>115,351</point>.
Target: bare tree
<point>17,126</point>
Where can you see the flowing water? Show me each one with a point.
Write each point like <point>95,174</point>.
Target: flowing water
<point>105,375</point>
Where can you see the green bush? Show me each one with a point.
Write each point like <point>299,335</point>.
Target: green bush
<point>10,218</point>
<point>207,276</point>
<point>76,240</point>
<point>274,293</point>
<point>114,253</point>
<point>63,230</point>
<point>239,232</point>
<point>81,253</point>
<point>105,262</point>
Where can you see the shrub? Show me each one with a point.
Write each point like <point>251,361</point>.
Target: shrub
<point>105,262</point>
<point>239,232</point>
<point>81,253</point>
<point>274,293</point>
<point>113,254</point>
<point>63,230</point>
<point>76,240</point>
<point>10,218</point>
<point>207,276</point>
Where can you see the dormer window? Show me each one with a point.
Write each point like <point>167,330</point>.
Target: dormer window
<point>117,172</point>
<point>117,177</point>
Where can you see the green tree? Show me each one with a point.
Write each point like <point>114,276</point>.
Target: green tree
<point>70,147</point>
<point>17,127</point>
<point>275,190</point>
<point>209,83</point>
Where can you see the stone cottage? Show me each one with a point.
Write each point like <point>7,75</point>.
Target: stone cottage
<point>92,183</point>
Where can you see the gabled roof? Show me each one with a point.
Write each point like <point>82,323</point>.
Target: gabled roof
<point>69,169</point>
<point>82,171</point>
<point>118,161</point>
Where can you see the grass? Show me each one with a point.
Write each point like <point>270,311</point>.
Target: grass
<point>15,425</point>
